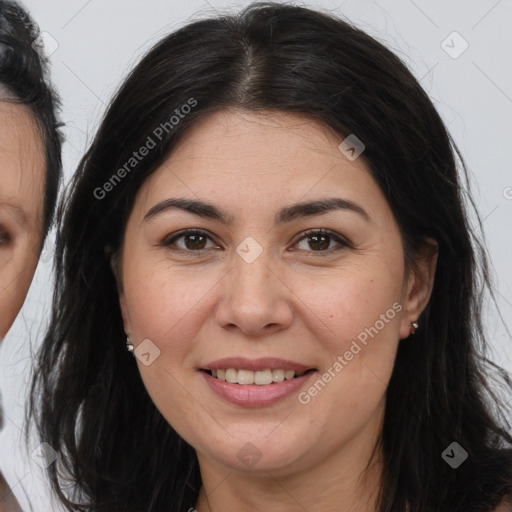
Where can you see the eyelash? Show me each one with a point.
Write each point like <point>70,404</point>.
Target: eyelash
<point>312,232</point>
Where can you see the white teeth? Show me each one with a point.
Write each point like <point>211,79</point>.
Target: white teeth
<point>289,374</point>
<point>263,377</point>
<point>260,377</point>
<point>278,375</point>
<point>246,377</point>
<point>231,375</point>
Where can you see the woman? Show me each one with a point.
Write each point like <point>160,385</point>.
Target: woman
<point>270,220</point>
<point>30,161</point>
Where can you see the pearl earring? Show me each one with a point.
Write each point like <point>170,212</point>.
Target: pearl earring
<point>129,345</point>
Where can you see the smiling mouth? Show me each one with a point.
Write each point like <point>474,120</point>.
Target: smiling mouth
<point>259,377</point>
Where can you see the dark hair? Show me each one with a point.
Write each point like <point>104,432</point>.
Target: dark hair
<point>284,58</point>
<point>24,75</point>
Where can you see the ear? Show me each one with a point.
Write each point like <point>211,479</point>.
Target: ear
<point>124,313</point>
<point>419,285</point>
<point>116,270</point>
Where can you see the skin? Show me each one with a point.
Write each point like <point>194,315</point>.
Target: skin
<point>22,164</point>
<point>290,303</point>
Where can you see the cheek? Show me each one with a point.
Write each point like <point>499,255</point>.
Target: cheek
<point>351,304</point>
<point>9,308</point>
<point>16,274</point>
<point>356,317</point>
<point>166,305</point>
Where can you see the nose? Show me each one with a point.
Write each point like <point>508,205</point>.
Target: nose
<point>255,299</point>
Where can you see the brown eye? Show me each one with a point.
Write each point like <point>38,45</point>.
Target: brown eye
<point>320,241</point>
<point>193,241</point>
<point>5,238</point>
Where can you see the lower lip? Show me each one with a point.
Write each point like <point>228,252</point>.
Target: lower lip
<point>252,395</point>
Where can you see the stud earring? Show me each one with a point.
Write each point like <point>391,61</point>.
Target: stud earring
<point>129,345</point>
<point>415,326</point>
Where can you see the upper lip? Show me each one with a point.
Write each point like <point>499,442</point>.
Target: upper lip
<point>264,363</point>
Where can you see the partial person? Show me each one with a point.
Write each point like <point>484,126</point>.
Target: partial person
<point>30,172</point>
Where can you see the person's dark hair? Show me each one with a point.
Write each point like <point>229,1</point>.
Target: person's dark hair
<point>88,399</point>
<point>24,80</point>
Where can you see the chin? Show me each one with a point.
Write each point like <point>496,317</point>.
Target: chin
<point>265,451</point>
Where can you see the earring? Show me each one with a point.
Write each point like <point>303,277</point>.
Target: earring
<point>129,345</point>
<point>415,326</point>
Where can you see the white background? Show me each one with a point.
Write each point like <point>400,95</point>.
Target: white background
<point>100,40</point>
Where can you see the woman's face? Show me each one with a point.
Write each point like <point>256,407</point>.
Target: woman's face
<point>22,170</point>
<point>254,291</point>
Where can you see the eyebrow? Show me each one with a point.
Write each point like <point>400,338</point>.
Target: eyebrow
<point>286,214</point>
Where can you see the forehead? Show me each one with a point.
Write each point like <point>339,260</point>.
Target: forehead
<point>270,157</point>
<point>22,162</point>
<point>229,135</point>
